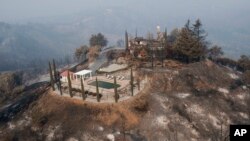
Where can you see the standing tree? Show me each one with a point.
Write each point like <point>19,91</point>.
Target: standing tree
<point>59,83</point>
<point>123,126</point>
<point>244,63</point>
<point>164,47</point>
<point>173,36</point>
<point>200,35</point>
<point>93,53</point>
<point>98,96</point>
<point>98,40</point>
<point>187,25</point>
<point>132,82</point>
<point>184,46</point>
<point>165,38</point>
<point>51,77</point>
<point>57,78</point>
<point>126,41</point>
<point>150,38</point>
<point>54,69</point>
<point>191,44</point>
<point>138,83</point>
<point>69,85</point>
<point>115,91</point>
<point>215,52</point>
<point>81,53</point>
<point>82,90</point>
<point>246,78</point>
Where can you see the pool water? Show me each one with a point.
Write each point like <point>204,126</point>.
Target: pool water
<point>104,84</point>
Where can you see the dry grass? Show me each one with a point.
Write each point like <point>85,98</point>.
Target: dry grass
<point>173,64</point>
<point>75,113</point>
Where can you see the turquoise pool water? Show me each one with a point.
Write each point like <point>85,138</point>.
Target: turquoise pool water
<point>104,84</point>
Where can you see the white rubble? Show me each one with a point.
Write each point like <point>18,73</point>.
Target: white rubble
<point>100,128</point>
<point>182,95</point>
<point>233,76</point>
<point>223,90</point>
<point>111,137</point>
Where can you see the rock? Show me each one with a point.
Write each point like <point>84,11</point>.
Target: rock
<point>183,95</point>
<point>223,90</point>
<point>111,137</point>
<point>100,128</point>
<point>121,60</point>
<point>233,76</point>
<point>244,87</point>
<point>117,132</point>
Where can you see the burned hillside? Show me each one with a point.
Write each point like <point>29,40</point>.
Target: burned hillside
<point>194,102</point>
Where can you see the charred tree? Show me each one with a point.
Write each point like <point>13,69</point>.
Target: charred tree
<point>51,77</point>
<point>60,85</point>
<point>115,91</point>
<point>126,41</point>
<point>132,82</point>
<point>98,96</point>
<point>138,83</point>
<point>54,69</point>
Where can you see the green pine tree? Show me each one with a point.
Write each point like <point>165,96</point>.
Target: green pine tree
<point>82,90</point>
<point>51,77</point>
<point>184,46</point>
<point>191,44</point>
<point>200,35</point>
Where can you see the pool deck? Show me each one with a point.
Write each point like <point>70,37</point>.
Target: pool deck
<point>77,84</point>
<point>108,94</point>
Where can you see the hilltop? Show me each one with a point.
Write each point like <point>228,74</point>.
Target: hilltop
<point>193,101</point>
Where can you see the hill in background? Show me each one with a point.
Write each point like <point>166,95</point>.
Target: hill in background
<point>56,37</point>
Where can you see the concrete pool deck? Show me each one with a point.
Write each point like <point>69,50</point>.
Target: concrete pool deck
<point>107,94</point>
<point>77,84</point>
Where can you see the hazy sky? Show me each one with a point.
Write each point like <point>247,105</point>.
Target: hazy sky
<point>226,21</point>
<point>13,10</point>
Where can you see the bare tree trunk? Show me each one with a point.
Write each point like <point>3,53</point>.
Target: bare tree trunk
<point>115,90</point>
<point>54,69</point>
<point>123,127</point>
<point>60,86</point>
<point>126,41</point>
<point>138,84</point>
<point>132,82</point>
<point>51,77</point>
<point>69,84</point>
<point>97,92</point>
<point>82,90</point>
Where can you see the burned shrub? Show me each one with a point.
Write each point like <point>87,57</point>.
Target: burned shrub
<point>43,120</point>
<point>235,84</point>
<point>181,110</point>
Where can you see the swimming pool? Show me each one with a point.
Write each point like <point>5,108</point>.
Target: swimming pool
<point>104,84</point>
